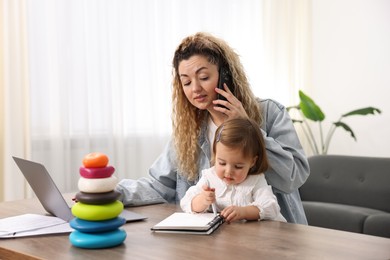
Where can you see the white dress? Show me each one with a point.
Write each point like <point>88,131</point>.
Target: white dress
<point>254,190</point>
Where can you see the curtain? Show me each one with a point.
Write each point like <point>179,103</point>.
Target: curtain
<point>14,98</point>
<point>287,45</point>
<point>99,76</point>
<point>287,41</point>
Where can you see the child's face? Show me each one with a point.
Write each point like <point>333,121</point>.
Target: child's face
<point>230,164</point>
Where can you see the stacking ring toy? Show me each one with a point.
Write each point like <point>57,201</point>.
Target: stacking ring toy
<point>102,172</point>
<point>95,160</point>
<point>97,212</point>
<point>97,185</point>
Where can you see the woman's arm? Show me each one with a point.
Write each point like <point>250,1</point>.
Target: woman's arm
<point>159,187</point>
<point>289,167</point>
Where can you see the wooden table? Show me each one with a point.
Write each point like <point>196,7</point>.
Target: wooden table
<point>239,240</point>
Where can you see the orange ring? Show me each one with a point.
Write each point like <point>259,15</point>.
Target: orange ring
<point>95,160</point>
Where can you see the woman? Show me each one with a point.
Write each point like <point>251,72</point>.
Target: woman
<point>196,115</point>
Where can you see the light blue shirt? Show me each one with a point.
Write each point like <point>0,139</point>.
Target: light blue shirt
<point>288,170</point>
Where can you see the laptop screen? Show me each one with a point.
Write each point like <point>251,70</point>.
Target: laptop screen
<point>44,188</point>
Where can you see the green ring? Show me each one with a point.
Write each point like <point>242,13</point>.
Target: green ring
<point>97,212</point>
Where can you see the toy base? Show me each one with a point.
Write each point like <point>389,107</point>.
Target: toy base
<point>97,240</point>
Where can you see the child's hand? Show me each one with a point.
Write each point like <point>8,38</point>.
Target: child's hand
<point>208,195</point>
<point>204,199</point>
<point>232,213</point>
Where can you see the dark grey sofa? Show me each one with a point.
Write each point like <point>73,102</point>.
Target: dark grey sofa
<point>350,193</point>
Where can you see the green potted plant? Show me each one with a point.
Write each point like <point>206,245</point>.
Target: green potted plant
<point>309,110</point>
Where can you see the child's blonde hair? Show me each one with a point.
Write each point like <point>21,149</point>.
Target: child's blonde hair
<point>246,135</point>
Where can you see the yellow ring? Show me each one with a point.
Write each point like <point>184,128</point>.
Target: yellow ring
<point>97,212</point>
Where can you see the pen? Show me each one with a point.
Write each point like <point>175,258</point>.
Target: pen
<point>213,204</point>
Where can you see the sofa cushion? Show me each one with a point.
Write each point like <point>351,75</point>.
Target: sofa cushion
<point>338,216</point>
<point>377,225</point>
<point>351,180</point>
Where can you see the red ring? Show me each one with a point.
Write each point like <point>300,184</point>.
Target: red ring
<point>97,173</point>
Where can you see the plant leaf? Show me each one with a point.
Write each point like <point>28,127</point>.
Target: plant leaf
<point>346,128</point>
<point>363,111</point>
<point>309,108</point>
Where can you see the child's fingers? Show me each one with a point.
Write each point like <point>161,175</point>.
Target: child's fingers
<point>207,188</point>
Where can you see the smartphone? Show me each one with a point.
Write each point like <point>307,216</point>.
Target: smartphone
<point>225,77</point>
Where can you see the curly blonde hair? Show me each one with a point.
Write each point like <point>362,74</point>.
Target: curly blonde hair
<point>186,118</point>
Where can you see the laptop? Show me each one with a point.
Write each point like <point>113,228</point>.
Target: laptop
<point>50,196</point>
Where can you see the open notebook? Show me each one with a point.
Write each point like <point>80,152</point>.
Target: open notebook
<point>187,223</point>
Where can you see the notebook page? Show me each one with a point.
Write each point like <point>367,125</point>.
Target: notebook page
<point>32,224</point>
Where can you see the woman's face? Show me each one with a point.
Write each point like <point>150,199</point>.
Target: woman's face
<point>199,78</point>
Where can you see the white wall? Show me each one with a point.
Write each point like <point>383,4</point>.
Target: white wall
<point>351,69</point>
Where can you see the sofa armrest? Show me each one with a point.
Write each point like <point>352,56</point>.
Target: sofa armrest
<point>338,216</point>
<point>377,225</point>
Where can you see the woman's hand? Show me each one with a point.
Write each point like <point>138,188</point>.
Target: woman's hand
<point>232,108</point>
